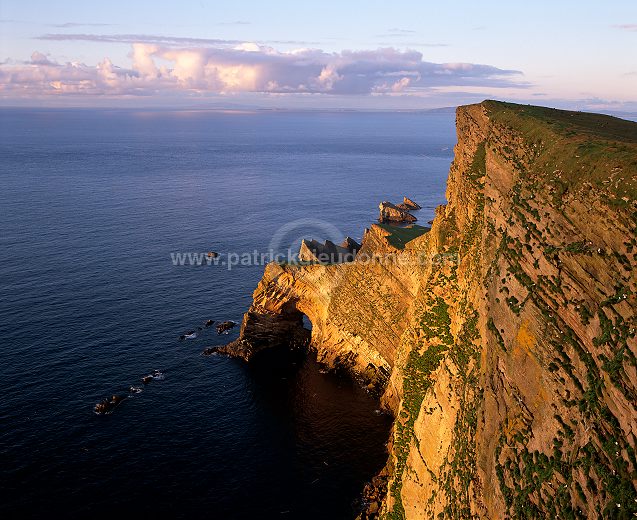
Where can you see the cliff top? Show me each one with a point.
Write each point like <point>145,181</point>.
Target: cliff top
<point>569,148</point>
<point>398,236</point>
<point>566,122</point>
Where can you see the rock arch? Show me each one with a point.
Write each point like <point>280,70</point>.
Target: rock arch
<point>359,334</point>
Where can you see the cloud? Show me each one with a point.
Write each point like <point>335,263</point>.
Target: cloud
<point>396,32</point>
<point>69,25</point>
<point>401,31</point>
<point>236,22</point>
<point>137,38</point>
<point>248,68</point>
<point>414,44</point>
<point>158,39</point>
<point>627,26</point>
<point>37,58</point>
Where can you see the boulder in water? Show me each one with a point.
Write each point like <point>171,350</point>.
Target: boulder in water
<point>106,406</point>
<point>225,326</point>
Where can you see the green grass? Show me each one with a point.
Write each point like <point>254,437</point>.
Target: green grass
<point>400,236</point>
<point>568,148</point>
<point>567,122</point>
<point>478,166</point>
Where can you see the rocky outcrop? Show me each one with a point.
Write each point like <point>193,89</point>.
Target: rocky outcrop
<point>503,339</point>
<point>351,245</point>
<point>392,213</point>
<point>409,205</point>
<point>328,252</point>
<point>349,332</point>
<point>106,406</point>
<point>225,326</point>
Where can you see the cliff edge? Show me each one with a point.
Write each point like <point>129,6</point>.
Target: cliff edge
<point>503,338</point>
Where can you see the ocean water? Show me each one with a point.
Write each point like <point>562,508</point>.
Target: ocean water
<point>92,204</point>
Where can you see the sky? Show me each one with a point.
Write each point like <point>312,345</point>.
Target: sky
<point>326,54</point>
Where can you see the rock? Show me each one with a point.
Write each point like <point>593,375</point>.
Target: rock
<point>208,323</point>
<point>225,326</point>
<point>209,351</point>
<point>147,379</point>
<point>410,204</point>
<point>328,252</point>
<point>351,245</point>
<point>391,213</point>
<point>107,405</point>
<point>212,254</point>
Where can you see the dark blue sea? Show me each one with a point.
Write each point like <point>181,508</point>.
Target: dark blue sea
<point>92,204</point>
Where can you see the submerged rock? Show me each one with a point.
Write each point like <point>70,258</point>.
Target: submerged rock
<point>225,326</point>
<point>106,406</point>
<point>189,334</point>
<point>155,374</point>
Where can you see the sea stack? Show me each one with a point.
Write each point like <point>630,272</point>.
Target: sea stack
<point>410,204</point>
<point>392,213</point>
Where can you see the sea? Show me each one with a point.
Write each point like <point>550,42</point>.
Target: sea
<point>104,215</point>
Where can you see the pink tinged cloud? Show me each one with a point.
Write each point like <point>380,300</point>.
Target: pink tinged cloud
<point>627,26</point>
<point>247,67</point>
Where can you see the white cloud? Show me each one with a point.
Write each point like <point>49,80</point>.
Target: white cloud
<point>142,57</point>
<point>248,68</point>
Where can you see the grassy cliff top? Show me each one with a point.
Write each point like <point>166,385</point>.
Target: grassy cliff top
<point>573,148</point>
<point>399,236</point>
<point>565,122</point>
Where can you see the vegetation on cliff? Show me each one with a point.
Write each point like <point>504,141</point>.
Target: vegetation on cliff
<point>399,236</point>
<point>504,338</point>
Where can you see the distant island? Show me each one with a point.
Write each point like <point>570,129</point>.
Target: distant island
<point>503,339</point>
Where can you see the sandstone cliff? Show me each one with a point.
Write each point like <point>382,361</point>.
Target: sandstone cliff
<point>503,339</point>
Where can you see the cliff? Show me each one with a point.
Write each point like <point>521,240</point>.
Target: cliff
<point>503,338</point>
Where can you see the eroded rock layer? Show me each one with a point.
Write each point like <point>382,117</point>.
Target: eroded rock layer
<point>503,339</point>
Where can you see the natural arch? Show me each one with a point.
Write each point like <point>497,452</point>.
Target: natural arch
<point>358,334</point>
